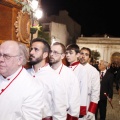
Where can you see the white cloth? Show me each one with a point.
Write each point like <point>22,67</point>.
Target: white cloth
<point>22,99</point>
<point>82,76</point>
<point>89,116</point>
<point>72,88</point>
<point>93,87</point>
<point>54,92</point>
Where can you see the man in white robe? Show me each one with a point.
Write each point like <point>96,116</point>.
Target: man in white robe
<point>93,83</point>
<point>72,55</point>
<point>20,96</point>
<point>56,56</point>
<point>55,107</point>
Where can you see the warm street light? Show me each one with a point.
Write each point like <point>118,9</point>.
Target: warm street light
<point>34,4</point>
<point>34,10</point>
<point>35,14</point>
<point>38,14</point>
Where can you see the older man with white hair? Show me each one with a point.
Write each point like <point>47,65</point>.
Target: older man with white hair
<point>20,96</point>
<point>106,89</point>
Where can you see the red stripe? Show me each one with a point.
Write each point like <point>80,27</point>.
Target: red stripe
<point>82,110</point>
<point>69,117</point>
<point>92,107</point>
<point>75,63</point>
<point>11,82</point>
<point>47,118</point>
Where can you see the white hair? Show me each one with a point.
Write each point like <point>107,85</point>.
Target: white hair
<point>23,51</point>
<point>105,63</point>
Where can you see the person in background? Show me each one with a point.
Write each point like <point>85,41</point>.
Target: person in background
<point>56,56</point>
<point>55,107</point>
<point>72,56</point>
<point>20,96</point>
<point>93,82</point>
<point>106,79</point>
<point>118,80</point>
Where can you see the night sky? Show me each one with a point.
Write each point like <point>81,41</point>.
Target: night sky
<point>96,17</point>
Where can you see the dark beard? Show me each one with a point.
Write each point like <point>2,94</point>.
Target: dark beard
<point>38,60</point>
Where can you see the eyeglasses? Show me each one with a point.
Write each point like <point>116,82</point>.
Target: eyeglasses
<point>55,52</point>
<point>7,57</point>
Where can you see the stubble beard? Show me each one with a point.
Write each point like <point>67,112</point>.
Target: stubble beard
<point>53,61</point>
<point>83,62</point>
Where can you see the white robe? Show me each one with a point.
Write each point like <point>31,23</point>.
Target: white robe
<point>22,99</point>
<point>93,89</point>
<point>82,76</point>
<point>54,92</point>
<point>72,88</point>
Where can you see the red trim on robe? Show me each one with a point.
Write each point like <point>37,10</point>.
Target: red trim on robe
<point>75,63</point>
<point>83,110</point>
<point>92,107</point>
<point>47,118</point>
<point>69,117</point>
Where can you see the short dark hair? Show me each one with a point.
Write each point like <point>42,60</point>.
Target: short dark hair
<point>74,47</point>
<point>62,46</point>
<point>46,44</point>
<point>88,49</point>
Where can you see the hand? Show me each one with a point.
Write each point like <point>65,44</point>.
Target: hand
<point>110,99</point>
<point>89,116</point>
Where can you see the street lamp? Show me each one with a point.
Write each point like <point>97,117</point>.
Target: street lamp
<point>32,7</point>
<point>38,13</point>
<point>35,14</point>
<point>34,4</point>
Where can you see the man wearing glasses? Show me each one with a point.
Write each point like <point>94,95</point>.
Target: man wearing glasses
<point>54,90</point>
<point>20,96</point>
<point>56,56</point>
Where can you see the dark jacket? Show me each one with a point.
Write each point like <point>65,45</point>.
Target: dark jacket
<point>118,78</point>
<point>107,85</point>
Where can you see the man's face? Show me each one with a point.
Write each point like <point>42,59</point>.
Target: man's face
<point>9,58</point>
<point>36,53</point>
<point>84,57</point>
<point>101,66</point>
<point>72,56</point>
<point>56,54</point>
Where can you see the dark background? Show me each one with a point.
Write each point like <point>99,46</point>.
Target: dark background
<point>96,17</point>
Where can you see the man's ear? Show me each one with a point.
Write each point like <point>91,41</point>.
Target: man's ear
<point>89,60</point>
<point>45,55</point>
<point>20,60</point>
<point>62,56</point>
<point>78,55</point>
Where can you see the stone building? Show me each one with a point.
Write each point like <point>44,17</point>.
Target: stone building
<point>63,19</point>
<point>109,48</point>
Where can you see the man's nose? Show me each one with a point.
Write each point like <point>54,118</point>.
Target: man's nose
<point>32,51</point>
<point>1,58</point>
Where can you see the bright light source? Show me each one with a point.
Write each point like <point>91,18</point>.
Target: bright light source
<point>53,40</point>
<point>34,4</point>
<point>38,14</point>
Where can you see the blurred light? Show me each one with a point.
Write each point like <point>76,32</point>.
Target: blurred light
<point>34,4</point>
<point>38,13</point>
<point>53,40</point>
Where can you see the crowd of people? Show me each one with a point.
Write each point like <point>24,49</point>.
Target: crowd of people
<point>51,89</point>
